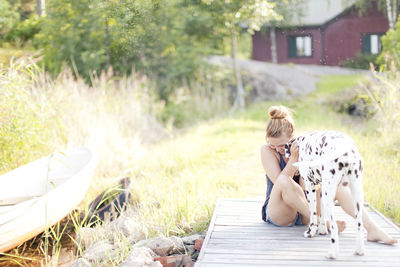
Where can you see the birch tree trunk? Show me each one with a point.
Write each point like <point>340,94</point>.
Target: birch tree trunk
<point>239,102</point>
<point>40,7</point>
<point>394,12</point>
<point>390,13</point>
<point>272,38</point>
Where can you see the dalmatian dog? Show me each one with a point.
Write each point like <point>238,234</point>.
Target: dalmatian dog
<point>328,159</point>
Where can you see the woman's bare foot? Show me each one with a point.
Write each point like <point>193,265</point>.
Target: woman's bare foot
<point>378,235</point>
<point>341,225</point>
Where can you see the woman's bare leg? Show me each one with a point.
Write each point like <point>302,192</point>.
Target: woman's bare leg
<point>374,232</point>
<point>287,198</point>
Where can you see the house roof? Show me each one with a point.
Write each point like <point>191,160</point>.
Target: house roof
<point>318,12</point>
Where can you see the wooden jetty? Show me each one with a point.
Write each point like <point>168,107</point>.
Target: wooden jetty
<point>238,237</point>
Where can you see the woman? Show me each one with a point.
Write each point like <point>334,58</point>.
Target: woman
<point>286,204</point>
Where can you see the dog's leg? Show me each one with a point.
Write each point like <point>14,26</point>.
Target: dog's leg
<point>322,230</point>
<point>312,203</point>
<point>356,190</point>
<point>328,207</point>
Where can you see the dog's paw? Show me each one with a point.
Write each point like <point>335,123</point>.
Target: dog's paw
<point>333,252</point>
<point>322,230</point>
<point>311,231</point>
<point>331,255</point>
<point>360,249</point>
<point>359,252</point>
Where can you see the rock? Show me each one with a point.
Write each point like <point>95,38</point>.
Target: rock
<point>161,245</point>
<point>177,260</point>
<point>141,243</point>
<point>127,225</point>
<point>81,262</point>
<point>178,245</point>
<point>190,249</point>
<point>141,256</point>
<point>189,240</point>
<point>99,252</point>
<point>86,237</point>
<point>198,244</point>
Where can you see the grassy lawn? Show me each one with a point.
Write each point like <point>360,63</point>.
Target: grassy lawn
<point>7,53</point>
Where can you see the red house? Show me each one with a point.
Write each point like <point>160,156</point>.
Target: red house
<point>327,33</point>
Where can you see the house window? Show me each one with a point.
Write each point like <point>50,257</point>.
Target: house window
<point>371,44</point>
<point>300,46</point>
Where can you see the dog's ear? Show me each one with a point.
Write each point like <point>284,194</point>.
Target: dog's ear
<point>288,146</point>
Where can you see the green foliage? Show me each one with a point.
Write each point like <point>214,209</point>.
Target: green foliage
<point>25,8</point>
<point>7,18</point>
<point>361,61</point>
<point>149,36</point>
<point>23,122</point>
<point>391,46</point>
<point>24,31</point>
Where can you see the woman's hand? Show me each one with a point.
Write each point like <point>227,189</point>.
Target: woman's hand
<point>294,152</point>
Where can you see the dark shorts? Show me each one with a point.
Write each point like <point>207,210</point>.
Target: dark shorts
<point>297,221</point>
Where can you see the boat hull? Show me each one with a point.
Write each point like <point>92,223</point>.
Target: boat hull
<point>20,221</point>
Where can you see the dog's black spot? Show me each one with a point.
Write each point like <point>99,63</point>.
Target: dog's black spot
<point>313,190</point>
<point>322,167</point>
<point>326,193</point>
<point>345,154</point>
<point>333,240</point>
<point>358,206</point>
<point>319,173</point>
<point>346,164</point>
<point>336,160</point>
<point>345,183</point>
<point>359,224</point>
<point>315,213</point>
<point>307,192</point>
<point>333,171</point>
<point>341,165</point>
<point>349,172</point>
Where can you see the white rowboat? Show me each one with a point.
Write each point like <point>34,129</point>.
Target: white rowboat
<point>41,193</point>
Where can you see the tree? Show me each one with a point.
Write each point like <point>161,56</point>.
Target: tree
<point>389,6</point>
<point>8,17</point>
<point>287,9</point>
<point>40,7</point>
<point>229,17</point>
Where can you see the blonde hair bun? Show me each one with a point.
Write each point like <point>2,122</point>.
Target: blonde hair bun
<point>278,112</point>
<point>280,122</point>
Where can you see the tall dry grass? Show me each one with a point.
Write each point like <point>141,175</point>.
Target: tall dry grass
<point>382,144</point>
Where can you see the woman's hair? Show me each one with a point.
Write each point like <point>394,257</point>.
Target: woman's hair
<point>280,122</point>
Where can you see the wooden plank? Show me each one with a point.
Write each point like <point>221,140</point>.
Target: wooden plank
<point>238,237</point>
<point>209,231</point>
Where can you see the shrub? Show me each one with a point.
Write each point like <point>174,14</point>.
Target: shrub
<point>361,61</point>
<point>24,31</point>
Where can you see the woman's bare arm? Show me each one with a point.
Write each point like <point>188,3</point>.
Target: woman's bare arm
<point>271,163</point>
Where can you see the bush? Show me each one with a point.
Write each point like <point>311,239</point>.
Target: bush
<point>7,18</point>
<point>361,61</point>
<point>24,31</point>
